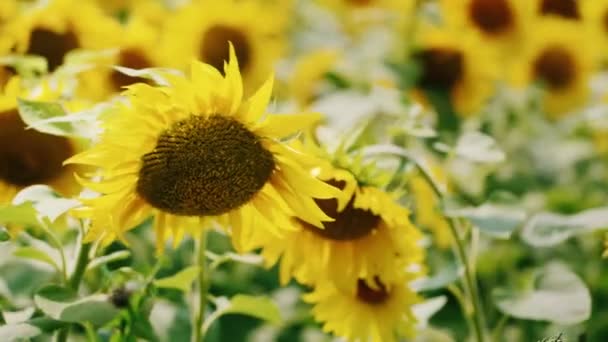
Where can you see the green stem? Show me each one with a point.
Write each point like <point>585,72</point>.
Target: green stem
<point>74,282</point>
<point>469,282</point>
<point>203,286</point>
<point>81,266</point>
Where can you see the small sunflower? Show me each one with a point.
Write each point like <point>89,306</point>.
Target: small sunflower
<point>370,235</point>
<point>457,64</point>
<point>29,157</point>
<point>194,149</point>
<point>498,21</point>
<point>372,311</point>
<point>201,30</point>
<point>565,9</point>
<point>57,27</point>
<point>308,74</point>
<point>561,59</point>
<point>595,16</point>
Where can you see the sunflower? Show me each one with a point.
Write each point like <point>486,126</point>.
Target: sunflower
<point>456,64</point>
<point>308,74</point>
<point>194,149</point>
<point>29,157</point>
<point>595,16</point>
<point>57,27</point>
<point>500,22</point>
<point>371,235</point>
<point>136,50</point>
<point>565,9</point>
<point>561,59</point>
<point>202,30</point>
<point>372,311</point>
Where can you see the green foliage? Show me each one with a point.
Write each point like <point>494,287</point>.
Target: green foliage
<point>553,294</point>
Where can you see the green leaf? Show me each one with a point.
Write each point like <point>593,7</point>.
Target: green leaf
<point>427,309</point>
<point>18,332</point>
<point>496,220</point>
<point>4,235</point>
<point>95,309</point>
<point>45,201</point>
<point>102,260</point>
<point>61,304</point>
<point>255,306</point>
<point>550,229</point>
<point>181,281</point>
<point>26,65</point>
<point>447,275</point>
<point>36,254</point>
<point>36,113</point>
<point>24,214</point>
<point>558,296</point>
<point>154,74</point>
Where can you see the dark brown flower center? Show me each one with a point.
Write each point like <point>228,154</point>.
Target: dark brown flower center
<point>371,295</point>
<point>556,67</point>
<point>350,224</point>
<point>564,8</point>
<point>360,2</point>
<point>441,68</point>
<point>52,46</point>
<point>491,16</point>
<point>130,58</point>
<point>204,166</point>
<point>215,49</point>
<point>29,157</point>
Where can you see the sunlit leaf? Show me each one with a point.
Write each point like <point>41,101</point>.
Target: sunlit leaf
<point>495,220</point>
<point>446,275</point>
<point>45,201</point>
<point>4,235</point>
<point>182,280</point>
<point>105,259</point>
<point>255,306</point>
<point>427,309</point>
<point>18,332</point>
<point>154,74</point>
<point>549,229</point>
<point>62,304</point>
<point>558,296</point>
<point>34,114</point>
<point>24,214</point>
<point>36,254</point>
<point>260,307</point>
<point>478,147</point>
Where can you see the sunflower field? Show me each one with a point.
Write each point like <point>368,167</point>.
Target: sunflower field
<point>303,170</point>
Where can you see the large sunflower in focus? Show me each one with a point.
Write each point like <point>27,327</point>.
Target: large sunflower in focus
<point>371,236</point>
<point>372,311</point>
<point>457,65</point>
<point>561,59</point>
<point>202,30</point>
<point>29,157</point>
<point>54,28</point>
<point>194,149</point>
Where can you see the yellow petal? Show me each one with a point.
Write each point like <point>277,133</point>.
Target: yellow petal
<point>282,125</point>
